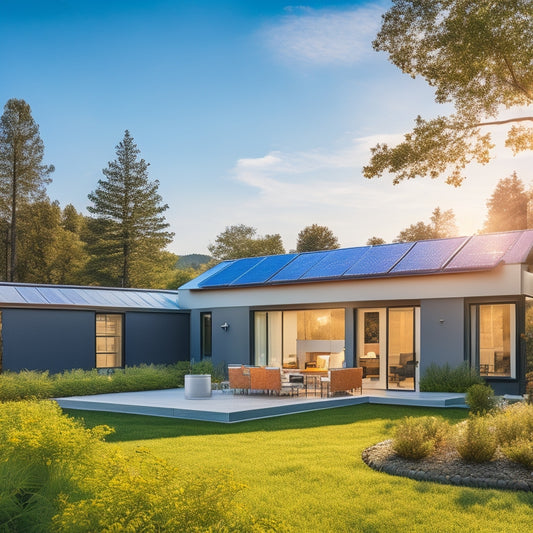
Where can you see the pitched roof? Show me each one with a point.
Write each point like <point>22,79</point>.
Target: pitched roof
<point>438,256</point>
<point>22,294</point>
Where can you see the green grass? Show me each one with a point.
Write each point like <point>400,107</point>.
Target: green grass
<point>307,470</point>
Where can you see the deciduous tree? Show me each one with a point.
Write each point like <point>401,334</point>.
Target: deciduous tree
<point>442,225</point>
<point>478,55</point>
<point>375,241</point>
<point>129,231</point>
<point>242,241</point>
<point>23,176</point>
<point>315,237</point>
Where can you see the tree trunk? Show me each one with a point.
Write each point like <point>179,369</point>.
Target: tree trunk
<point>13,232</point>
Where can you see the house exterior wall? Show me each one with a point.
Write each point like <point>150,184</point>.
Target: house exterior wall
<point>230,346</point>
<point>61,339</point>
<point>158,338</point>
<point>442,332</point>
<point>42,339</point>
<point>503,280</point>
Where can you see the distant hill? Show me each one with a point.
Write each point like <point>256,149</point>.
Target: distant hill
<point>192,261</point>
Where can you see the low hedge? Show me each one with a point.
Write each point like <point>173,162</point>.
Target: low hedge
<point>449,379</point>
<point>27,384</point>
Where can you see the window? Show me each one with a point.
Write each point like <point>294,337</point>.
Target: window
<point>206,333</point>
<point>300,339</point>
<point>108,341</point>
<point>494,339</point>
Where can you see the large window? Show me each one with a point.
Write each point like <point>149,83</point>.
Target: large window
<point>108,341</point>
<point>494,339</point>
<point>206,333</point>
<point>312,338</point>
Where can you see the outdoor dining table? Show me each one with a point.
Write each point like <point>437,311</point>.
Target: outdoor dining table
<point>312,379</point>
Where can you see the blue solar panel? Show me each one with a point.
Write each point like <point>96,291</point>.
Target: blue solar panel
<point>32,295</point>
<point>335,263</point>
<point>482,252</point>
<point>428,256</point>
<point>264,270</point>
<point>379,260</point>
<point>298,267</point>
<point>231,272</point>
<point>197,281</point>
<point>521,249</point>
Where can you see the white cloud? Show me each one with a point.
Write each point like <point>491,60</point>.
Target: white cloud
<point>289,190</point>
<point>324,36</point>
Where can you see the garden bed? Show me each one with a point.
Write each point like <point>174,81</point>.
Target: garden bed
<point>446,466</point>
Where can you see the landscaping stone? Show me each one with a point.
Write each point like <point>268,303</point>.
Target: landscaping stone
<point>447,467</point>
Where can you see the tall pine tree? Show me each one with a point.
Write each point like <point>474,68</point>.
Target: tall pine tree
<point>23,176</point>
<point>128,233</point>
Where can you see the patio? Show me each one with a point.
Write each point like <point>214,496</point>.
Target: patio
<point>226,407</point>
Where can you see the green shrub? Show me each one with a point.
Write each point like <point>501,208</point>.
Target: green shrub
<point>56,475</point>
<point>475,439</point>
<point>415,438</point>
<point>480,399</point>
<point>447,379</point>
<point>520,451</point>
<point>514,422</point>
<point>34,384</point>
<point>42,452</point>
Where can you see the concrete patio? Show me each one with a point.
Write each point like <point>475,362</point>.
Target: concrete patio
<point>226,407</point>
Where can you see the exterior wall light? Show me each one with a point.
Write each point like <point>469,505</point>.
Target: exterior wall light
<point>442,321</point>
<point>225,326</point>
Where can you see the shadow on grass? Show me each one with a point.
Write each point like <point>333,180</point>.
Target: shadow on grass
<point>140,427</point>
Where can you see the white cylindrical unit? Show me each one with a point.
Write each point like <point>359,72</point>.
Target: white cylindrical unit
<point>197,386</point>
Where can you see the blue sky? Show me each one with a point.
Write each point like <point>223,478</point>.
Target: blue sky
<point>254,112</point>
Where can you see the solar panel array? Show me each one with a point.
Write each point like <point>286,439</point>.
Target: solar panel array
<point>458,254</point>
<point>88,297</point>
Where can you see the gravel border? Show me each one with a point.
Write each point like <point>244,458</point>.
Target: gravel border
<point>447,467</point>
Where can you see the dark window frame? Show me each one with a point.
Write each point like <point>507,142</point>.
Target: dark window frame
<point>121,336</point>
<point>206,334</point>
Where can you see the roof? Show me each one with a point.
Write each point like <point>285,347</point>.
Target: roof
<point>22,294</point>
<point>438,256</point>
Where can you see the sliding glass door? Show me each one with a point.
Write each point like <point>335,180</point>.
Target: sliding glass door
<point>401,359</point>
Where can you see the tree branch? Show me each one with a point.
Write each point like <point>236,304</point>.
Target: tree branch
<point>499,122</point>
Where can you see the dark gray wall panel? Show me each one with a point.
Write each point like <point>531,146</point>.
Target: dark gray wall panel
<point>231,346</point>
<point>158,338</point>
<point>441,332</point>
<point>41,339</point>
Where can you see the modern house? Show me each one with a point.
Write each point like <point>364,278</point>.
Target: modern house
<point>392,309</point>
<point>44,327</point>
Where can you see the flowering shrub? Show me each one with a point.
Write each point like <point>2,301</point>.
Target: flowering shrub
<point>56,475</point>
<point>42,453</point>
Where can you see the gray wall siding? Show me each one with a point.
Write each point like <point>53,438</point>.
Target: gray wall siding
<point>158,338</point>
<point>231,346</point>
<point>441,343</point>
<point>41,339</point>
<point>349,337</point>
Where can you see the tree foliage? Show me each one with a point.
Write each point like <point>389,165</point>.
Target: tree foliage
<point>375,241</point>
<point>478,55</point>
<point>508,206</point>
<point>128,235</point>
<point>315,237</point>
<point>442,225</point>
<point>240,241</point>
<point>23,176</point>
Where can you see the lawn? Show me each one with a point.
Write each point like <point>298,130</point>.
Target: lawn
<point>306,469</point>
